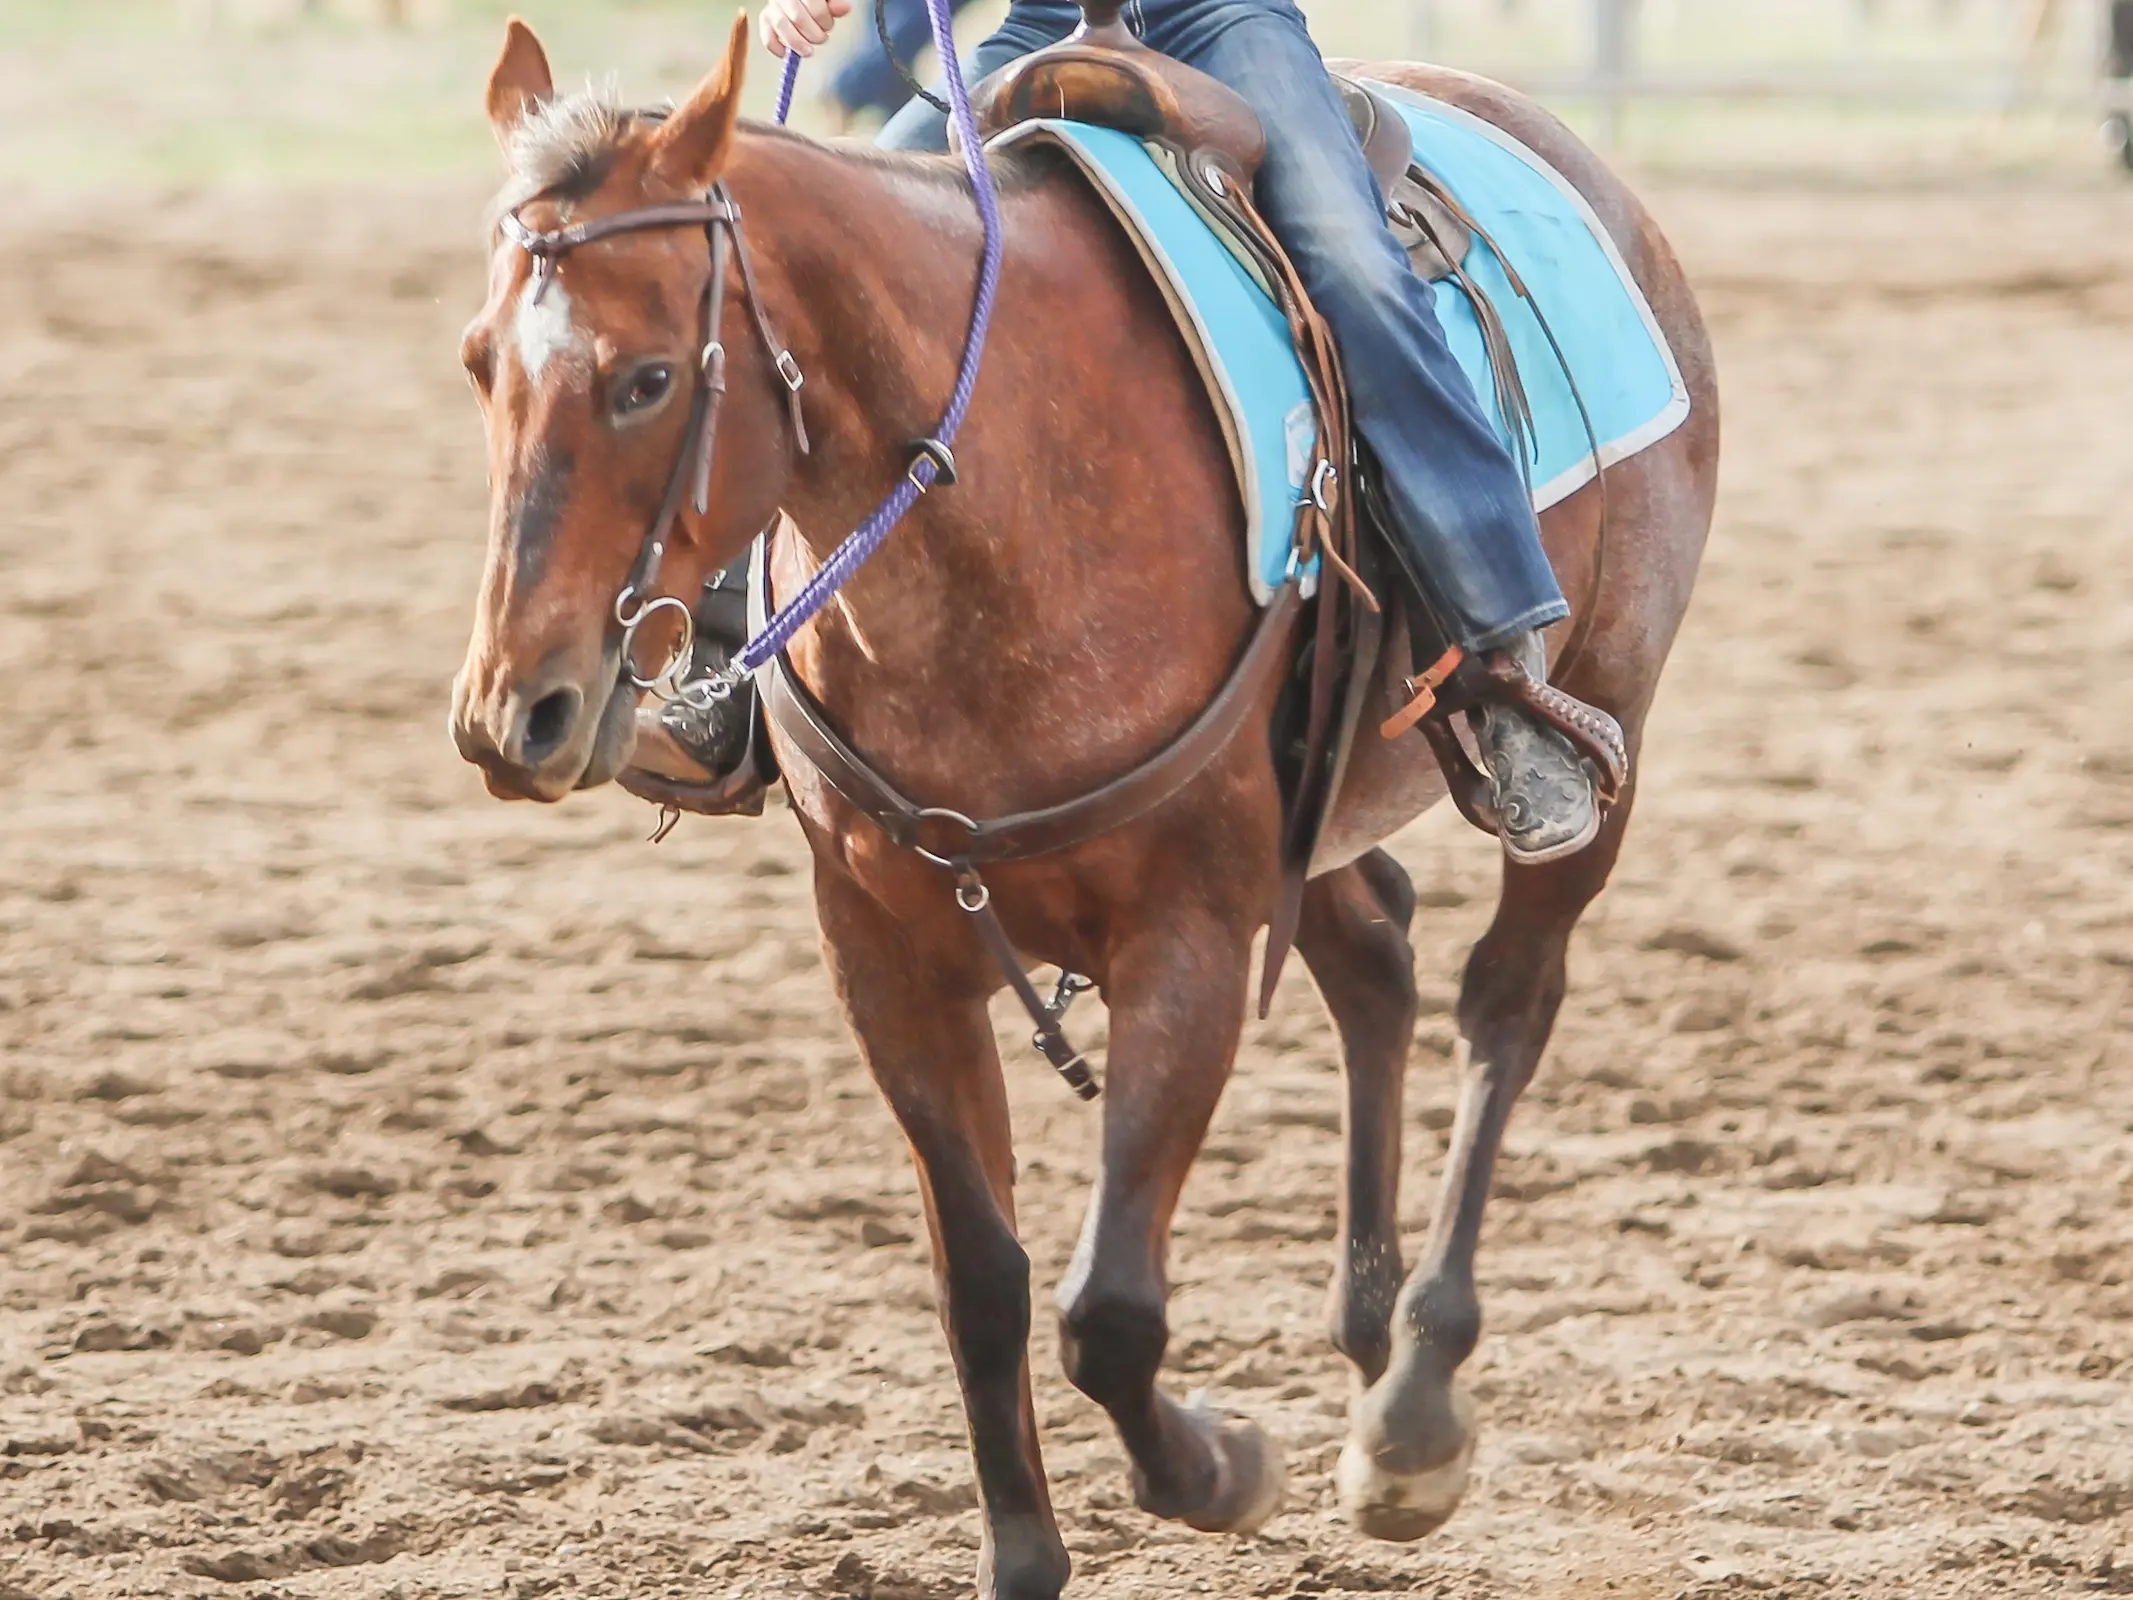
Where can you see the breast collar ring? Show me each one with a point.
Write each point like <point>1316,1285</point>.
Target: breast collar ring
<point>720,217</point>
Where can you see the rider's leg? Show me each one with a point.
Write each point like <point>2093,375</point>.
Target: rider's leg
<point>1454,488</point>
<point>1457,498</point>
<point>1029,25</point>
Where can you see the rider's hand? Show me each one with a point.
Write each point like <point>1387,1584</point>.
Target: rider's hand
<point>800,25</point>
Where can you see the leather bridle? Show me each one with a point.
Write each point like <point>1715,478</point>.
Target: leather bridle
<point>719,215</point>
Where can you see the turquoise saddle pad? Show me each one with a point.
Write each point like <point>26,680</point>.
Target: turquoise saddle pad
<point>1631,385</point>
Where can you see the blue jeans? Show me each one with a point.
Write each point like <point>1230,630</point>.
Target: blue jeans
<point>868,80</point>
<point>1459,501</point>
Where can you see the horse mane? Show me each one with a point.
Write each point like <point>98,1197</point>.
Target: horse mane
<point>566,146</point>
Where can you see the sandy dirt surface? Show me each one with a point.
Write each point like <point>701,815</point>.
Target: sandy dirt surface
<point>405,1195</point>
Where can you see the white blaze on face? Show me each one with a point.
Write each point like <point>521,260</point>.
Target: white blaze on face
<point>544,328</point>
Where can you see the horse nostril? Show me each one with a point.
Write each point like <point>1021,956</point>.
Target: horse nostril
<point>548,725</point>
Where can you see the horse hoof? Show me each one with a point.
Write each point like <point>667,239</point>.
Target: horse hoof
<point>1405,1506</point>
<point>1251,1476</point>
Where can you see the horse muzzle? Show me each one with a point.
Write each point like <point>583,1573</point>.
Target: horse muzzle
<point>546,737</point>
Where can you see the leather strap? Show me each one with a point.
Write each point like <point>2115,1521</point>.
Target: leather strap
<point>738,794</point>
<point>703,443</point>
<point>779,351</point>
<point>561,241</point>
<point>1423,687</point>
<point>1468,785</point>
<point>952,839</point>
<point>1326,529</point>
<point>1050,1038</point>
<point>1512,391</point>
<point>962,844</point>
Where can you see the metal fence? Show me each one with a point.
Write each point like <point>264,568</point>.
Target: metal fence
<point>1943,62</point>
<point>1992,54</point>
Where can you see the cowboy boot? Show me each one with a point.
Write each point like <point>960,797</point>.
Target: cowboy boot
<point>1541,787</point>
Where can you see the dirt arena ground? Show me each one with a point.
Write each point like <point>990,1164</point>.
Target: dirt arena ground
<point>404,1195</point>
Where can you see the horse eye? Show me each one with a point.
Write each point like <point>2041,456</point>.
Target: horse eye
<point>643,389</point>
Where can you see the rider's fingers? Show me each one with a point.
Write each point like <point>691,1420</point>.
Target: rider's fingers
<point>822,14</point>
<point>767,30</point>
<point>799,35</point>
<point>840,8</point>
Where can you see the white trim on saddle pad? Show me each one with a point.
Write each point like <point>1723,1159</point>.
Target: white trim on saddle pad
<point>1621,446</point>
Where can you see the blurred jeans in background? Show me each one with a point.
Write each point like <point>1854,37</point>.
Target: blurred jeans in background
<point>868,79</point>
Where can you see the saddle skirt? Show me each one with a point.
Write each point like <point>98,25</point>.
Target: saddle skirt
<point>1621,375</point>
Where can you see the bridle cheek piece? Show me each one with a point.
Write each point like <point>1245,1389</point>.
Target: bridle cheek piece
<point>719,215</point>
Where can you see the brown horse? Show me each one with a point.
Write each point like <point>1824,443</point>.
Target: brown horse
<point>1028,634</point>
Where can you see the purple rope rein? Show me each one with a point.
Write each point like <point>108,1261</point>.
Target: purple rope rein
<point>786,85</point>
<point>848,557</point>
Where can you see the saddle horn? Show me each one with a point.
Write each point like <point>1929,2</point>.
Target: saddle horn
<point>1104,75</point>
<point>1100,24</point>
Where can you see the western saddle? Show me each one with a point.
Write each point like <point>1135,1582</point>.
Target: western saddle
<point>1104,75</point>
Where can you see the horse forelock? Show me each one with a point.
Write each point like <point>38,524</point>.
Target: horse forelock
<point>565,147</point>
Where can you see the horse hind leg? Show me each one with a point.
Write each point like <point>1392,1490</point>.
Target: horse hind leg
<point>1353,936</point>
<point>1403,1470</point>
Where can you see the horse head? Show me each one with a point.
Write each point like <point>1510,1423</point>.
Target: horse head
<point>593,364</point>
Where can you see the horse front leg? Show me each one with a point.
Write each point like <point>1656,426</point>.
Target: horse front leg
<point>923,1031</point>
<point>1404,1467</point>
<point>1177,1002</point>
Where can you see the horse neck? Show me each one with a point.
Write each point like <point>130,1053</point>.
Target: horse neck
<point>869,264</point>
<point>1089,554</point>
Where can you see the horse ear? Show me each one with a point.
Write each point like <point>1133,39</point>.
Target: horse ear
<point>519,82</point>
<point>692,142</point>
